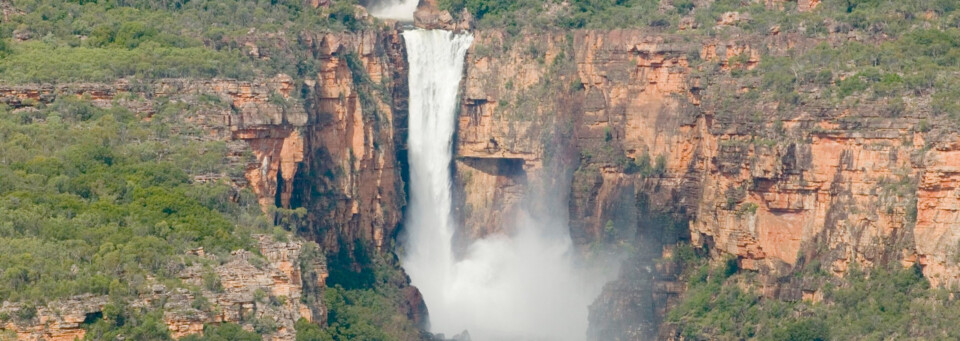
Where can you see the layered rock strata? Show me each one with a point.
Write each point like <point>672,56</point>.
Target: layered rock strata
<point>659,145</point>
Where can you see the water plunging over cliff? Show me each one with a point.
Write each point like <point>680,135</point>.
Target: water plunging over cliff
<point>401,10</point>
<point>521,286</point>
<point>436,65</point>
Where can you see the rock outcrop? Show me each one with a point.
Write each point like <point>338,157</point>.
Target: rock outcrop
<point>246,290</point>
<point>654,138</point>
<point>351,182</point>
<point>429,16</point>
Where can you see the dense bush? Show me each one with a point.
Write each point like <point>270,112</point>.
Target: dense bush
<point>119,321</point>
<point>83,40</point>
<point>371,308</point>
<point>224,332</point>
<point>512,15</point>
<point>874,305</point>
<point>97,200</point>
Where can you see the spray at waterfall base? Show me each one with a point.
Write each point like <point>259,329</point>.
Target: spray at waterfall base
<point>523,285</point>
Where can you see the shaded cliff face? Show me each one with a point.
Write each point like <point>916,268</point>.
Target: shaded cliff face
<point>351,183</point>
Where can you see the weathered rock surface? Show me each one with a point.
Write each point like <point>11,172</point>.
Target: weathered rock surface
<point>266,291</point>
<point>328,143</point>
<point>841,185</point>
<point>351,181</point>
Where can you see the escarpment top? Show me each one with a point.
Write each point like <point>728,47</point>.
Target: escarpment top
<point>429,16</point>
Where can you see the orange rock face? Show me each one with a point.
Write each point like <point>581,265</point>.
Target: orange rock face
<point>842,190</point>
<point>517,104</point>
<point>60,321</point>
<point>352,144</point>
<point>937,232</point>
<point>270,291</point>
<point>797,203</point>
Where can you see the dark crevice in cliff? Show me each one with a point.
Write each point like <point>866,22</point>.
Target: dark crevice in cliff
<point>401,112</point>
<point>278,198</point>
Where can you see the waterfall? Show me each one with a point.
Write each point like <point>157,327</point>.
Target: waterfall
<point>436,65</point>
<point>401,10</point>
<point>521,286</point>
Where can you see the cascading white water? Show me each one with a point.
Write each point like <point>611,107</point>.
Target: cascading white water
<point>436,62</point>
<point>401,10</point>
<point>522,286</point>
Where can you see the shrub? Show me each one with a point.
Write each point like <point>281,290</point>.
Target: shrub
<point>803,330</point>
<point>223,332</point>
<point>27,312</point>
<point>308,331</point>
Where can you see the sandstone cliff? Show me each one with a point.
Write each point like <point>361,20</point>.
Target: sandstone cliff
<point>664,154</point>
<point>328,144</point>
<point>351,182</point>
<point>590,103</point>
<point>655,138</point>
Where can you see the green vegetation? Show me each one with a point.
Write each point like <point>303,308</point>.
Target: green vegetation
<point>119,320</point>
<point>364,305</point>
<point>224,332</point>
<point>578,14</point>
<point>35,62</point>
<point>724,303</point>
<point>83,40</point>
<point>366,314</point>
<point>747,209</point>
<point>642,165</point>
<point>101,201</point>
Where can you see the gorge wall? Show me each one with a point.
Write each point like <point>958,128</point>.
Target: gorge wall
<point>666,145</point>
<point>320,154</point>
<point>654,135</point>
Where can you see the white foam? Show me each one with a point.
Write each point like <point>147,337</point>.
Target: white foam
<point>400,10</point>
